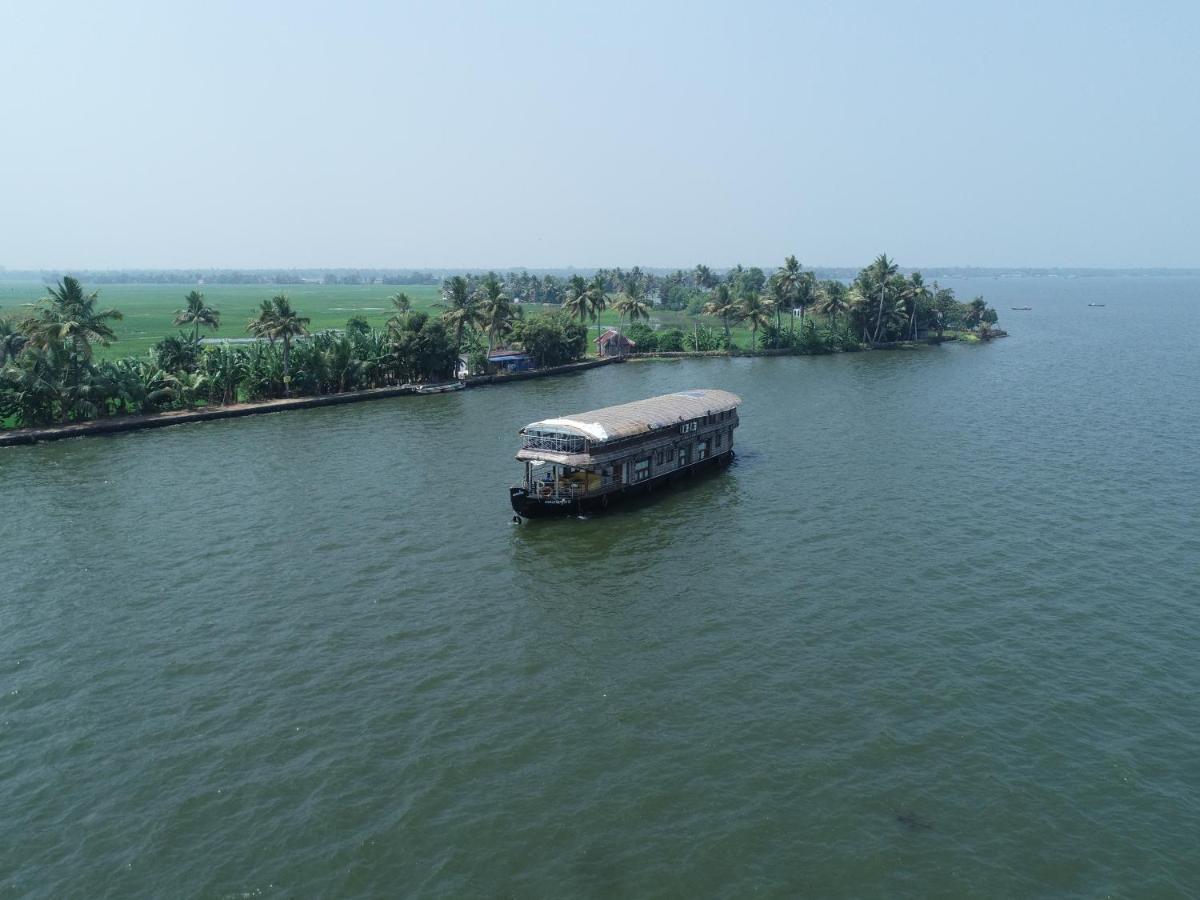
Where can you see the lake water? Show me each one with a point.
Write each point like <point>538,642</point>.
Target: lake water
<point>935,634</point>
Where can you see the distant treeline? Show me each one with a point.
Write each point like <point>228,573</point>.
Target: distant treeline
<point>231,276</point>
<point>437,276</point>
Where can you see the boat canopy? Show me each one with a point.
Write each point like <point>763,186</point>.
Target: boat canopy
<point>614,423</point>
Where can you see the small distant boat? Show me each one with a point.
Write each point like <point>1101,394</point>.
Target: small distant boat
<point>1020,307</point>
<point>441,388</point>
<point>1095,304</point>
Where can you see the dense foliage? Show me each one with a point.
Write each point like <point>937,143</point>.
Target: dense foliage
<point>48,374</point>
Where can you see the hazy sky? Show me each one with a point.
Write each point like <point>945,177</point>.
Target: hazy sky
<point>549,134</point>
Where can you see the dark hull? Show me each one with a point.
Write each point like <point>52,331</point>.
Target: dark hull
<point>536,508</point>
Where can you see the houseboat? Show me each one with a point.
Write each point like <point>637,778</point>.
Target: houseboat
<point>589,460</point>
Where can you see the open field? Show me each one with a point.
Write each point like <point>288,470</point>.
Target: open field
<point>150,308</point>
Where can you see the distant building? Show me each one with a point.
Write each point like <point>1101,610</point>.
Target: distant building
<point>510,361</point>
<point>613,343</point>
<point>500,360</point>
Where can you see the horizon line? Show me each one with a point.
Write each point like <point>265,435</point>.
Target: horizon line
<point>37,270</point>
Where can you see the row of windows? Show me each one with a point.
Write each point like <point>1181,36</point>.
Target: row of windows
<point>641,468</point>
<point>691,426</point>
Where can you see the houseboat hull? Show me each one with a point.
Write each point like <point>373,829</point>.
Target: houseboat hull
<point>530,506</point>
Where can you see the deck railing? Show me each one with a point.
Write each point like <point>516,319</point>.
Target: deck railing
<point>564,490</point>
<point>554,443</point>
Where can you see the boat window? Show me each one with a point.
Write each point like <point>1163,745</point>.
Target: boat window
<point>718,444</point>
<point>701,450</point>
<point>641,469</point>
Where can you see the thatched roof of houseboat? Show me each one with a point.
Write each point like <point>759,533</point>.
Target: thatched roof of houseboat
<point>631,419</point>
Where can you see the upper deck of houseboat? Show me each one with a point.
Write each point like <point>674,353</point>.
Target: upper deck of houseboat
<point>602,435</point>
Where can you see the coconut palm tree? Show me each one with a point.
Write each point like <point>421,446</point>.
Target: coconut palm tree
<point>460,307</point>
<point>789,276</point>
<point>757,309</point>
<point>597,299</point>
<point>832,300</point>
<point>880,273</point>
<point>69,316</point>
<point>277,321</point>
<point>858,306</point>
<point>916,294</point>
<point>577,302</point>
<point>495,307</point>
<point>734,277</point>
<point>403,307</point>
<point>777,294</point>
<point>66,324</point>
<point>704,277</point>
<point>196,314</point>
<point>632,303</point>
<point>723,306</point>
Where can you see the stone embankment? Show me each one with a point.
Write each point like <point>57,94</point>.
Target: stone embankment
<point>118,424</point>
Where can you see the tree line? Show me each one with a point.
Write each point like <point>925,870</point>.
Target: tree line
<point>49,373</point>
<point>879,305</point>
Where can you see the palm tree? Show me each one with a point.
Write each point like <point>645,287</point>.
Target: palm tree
<point>68,316</point>
<point>704,277</point>
<point>495,307</point>
<point>880,272</point>
<point>597,299</point>
<point>577,302</point>
<point>789,276</point>
<point>831,300</point>
<point>197,314</point>
<point>632,303</point>
<point>723,306</point>
<point>913,296</point>
<point>779,298</point>
<point>277,321</point>
<point>858,305</point>
<point>66,323</point>
<point>461,309</point>
<point>403,307</point>
<point>756,309</point>
<point>733,278</point>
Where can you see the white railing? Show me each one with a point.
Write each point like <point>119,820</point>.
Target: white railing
<point>564,443</point>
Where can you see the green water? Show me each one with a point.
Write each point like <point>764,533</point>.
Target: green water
<point>935,634</point>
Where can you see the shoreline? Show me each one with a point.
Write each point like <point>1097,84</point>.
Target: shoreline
<point>122,424</point>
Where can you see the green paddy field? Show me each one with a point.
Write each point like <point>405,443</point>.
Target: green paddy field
<point>150,308</point>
